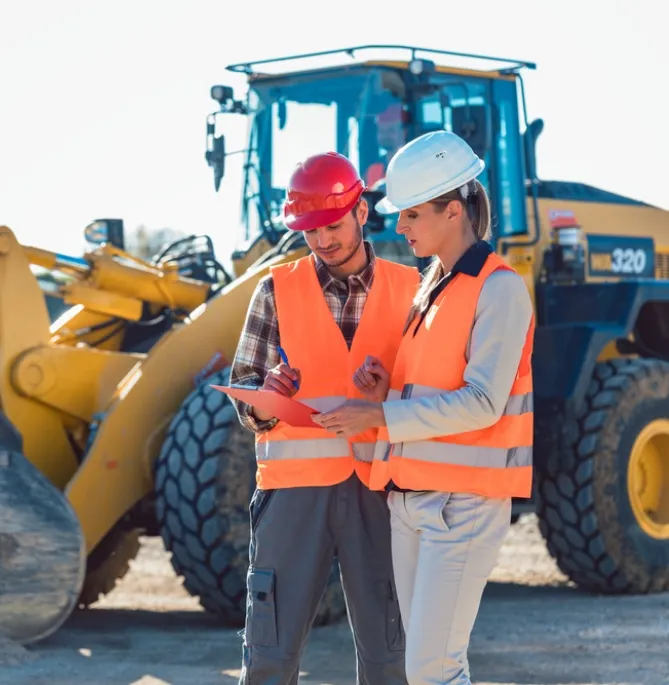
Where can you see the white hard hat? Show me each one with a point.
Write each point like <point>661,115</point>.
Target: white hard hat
<point>427,167</point>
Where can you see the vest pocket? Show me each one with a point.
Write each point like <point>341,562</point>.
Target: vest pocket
<point>394,629</point>
<point>261,608</point>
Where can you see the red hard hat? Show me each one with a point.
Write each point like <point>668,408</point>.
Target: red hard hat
<point>323,189</point>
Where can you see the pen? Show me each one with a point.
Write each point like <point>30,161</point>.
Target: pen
<point>284,359</point>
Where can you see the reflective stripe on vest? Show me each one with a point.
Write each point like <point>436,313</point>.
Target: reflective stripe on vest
<point>494,461</point>
<point>296,457</point>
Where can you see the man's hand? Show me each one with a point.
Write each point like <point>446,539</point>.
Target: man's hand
<point>279,379</point>
<point>352,417</point>
<point>372,380</point>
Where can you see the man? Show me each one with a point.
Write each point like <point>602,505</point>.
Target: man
<point>327,312</point>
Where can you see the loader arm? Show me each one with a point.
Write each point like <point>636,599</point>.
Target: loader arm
<point>117,470</point>
<point>24,327</point>
<point>108,288</point>
<point>51,386</point>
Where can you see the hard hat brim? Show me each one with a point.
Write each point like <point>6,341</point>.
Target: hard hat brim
<point>316,219</point>
<point>385,206</point>
<point>312,220</point>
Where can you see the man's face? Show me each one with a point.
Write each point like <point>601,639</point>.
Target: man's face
<point>337,243</point>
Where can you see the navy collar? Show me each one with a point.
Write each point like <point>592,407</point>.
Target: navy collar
<point>470,263</point>
<point>473,259</point>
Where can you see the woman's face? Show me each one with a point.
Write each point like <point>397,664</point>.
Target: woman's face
<point>428,227</point>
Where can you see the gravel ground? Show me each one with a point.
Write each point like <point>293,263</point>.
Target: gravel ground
<point>533,629</point>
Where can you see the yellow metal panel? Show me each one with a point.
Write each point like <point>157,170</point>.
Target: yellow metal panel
<point>521,258</point>
<point>249,256</point>
<point>75,380</point>
<point>103,302</point>
<point>115,473</point>
<point>146,283</point>
<point>24,325</point>
<point>597,218</point>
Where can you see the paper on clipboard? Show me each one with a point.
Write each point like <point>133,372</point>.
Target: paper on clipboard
<point>284,408</point>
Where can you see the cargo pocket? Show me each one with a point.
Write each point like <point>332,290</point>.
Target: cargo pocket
<point>394,628</point>
<point>261,608</point>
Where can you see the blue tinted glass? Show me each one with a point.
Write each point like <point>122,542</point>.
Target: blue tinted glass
<point>510,185</point>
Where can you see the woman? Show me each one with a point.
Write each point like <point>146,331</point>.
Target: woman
<point>455,416</point>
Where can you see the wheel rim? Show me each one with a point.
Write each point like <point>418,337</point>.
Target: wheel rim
<point>648,479</point>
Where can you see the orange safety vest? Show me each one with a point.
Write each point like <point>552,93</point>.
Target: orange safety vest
<point>298,457</point>
<point>493,462</point>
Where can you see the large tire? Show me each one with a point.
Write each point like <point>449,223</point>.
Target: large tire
<point>108,563</point>
<point>586,507</point>
<point>204,480</point>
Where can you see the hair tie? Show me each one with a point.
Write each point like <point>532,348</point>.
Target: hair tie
<point>468,192</point>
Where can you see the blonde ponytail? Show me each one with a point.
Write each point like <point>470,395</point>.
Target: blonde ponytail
<point>479,211</point>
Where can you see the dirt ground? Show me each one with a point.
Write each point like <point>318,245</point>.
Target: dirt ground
<point>533,629</point>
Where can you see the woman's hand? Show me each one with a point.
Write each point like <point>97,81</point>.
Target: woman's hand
<point>372,380</point>
<point>352,417</point>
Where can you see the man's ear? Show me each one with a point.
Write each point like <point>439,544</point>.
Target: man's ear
<point>363,211</point>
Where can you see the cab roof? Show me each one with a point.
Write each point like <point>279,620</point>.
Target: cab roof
<point>392,56</point>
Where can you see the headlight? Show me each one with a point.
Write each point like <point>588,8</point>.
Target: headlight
<point>97,233</point>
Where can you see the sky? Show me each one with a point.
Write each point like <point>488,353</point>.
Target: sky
<point>103,103</point>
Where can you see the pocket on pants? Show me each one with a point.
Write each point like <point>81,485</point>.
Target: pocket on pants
<point>427,511</point>
<point>394,628</point>
<point>443,514</point>
<point>261,628</point>
<point>258,506</point>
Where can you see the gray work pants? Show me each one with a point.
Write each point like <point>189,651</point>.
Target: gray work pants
<point>295,535</point>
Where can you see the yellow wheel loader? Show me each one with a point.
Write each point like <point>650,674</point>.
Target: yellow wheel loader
<point>102,436</point>
<point>95,302</point>
<point>86,404</point>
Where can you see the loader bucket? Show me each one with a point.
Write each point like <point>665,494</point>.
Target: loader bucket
<point>42,548</point>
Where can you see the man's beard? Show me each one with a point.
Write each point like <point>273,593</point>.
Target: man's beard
<point>353,249</point>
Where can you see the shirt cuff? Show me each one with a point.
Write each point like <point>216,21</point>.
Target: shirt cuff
<point>249,420</point>
<point>261,426</point>
<point>398,421</point>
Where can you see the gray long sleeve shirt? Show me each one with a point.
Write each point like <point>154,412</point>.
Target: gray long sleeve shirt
<point>503,316</point>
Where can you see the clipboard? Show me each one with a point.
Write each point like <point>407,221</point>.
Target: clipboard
<point>290,411</point>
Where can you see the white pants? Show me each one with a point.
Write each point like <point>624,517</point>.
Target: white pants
<point>445,545</point>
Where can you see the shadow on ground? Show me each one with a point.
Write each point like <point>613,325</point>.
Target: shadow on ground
<point>525,635</point>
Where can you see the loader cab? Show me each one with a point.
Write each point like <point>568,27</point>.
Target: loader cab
<point>366,111</point>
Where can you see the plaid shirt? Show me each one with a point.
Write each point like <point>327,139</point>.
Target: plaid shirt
<point>257,351</point>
